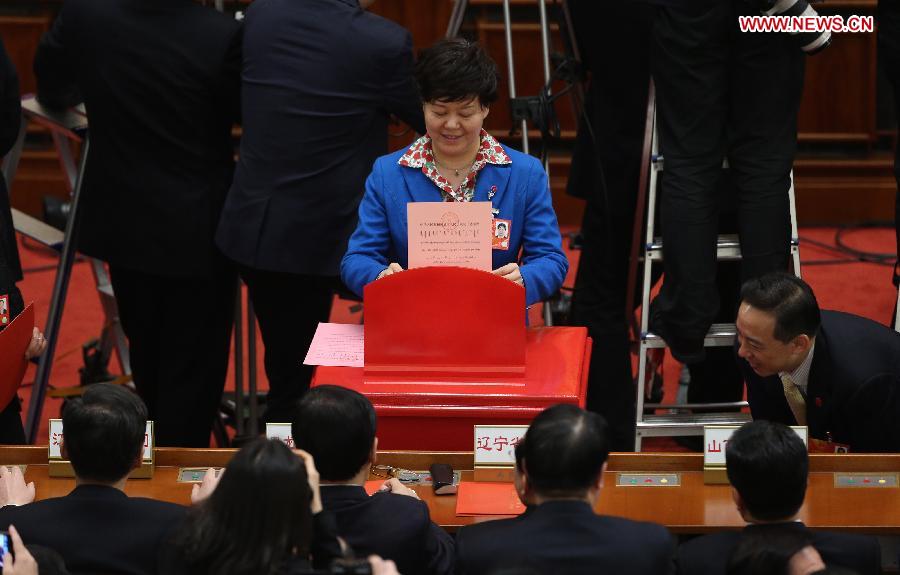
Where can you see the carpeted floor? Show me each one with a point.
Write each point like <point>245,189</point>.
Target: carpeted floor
<point>860,288</point>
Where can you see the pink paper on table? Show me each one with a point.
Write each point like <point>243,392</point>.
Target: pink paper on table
<point>336,344</point>
<point>449,234</point>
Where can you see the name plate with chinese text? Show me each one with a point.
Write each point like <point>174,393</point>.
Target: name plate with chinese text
<point>715,438</point>
<point>495,451</point>
<point>281,432</point>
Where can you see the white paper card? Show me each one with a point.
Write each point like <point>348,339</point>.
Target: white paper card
<point>337,344</point>
<point>281,432</point>
<point>56,438</point>
<point>496,444</point>
<point>715,437</point>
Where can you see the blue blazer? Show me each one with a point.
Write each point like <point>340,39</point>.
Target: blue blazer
<point>522,196</point>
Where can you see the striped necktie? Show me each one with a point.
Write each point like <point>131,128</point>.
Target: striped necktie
<point>794,398</point>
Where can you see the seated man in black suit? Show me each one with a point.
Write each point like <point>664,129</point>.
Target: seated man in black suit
<point>838,374</point>
<point>559,473</point>
<point>768,468</point>
<point>778,549</point>
<point>337,427</point>
<point>97,528</point>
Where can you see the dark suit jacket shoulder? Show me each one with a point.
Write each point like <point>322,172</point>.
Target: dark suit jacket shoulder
<point>320,80</point>
<point>10,120</point>
<point>708,555</point>
<point>394,526</point>
<point>97,529</point>
<point>853,392</point>
<point>160,82</point>
<point>565,538</point>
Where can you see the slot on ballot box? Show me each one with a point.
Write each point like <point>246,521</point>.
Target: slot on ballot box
<point>715,438</point>
<point>60,467</point>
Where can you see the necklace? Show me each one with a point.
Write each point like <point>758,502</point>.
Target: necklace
<point>456,171</point>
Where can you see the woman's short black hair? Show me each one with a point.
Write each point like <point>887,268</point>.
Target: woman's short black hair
<point>454,70</point>
<point>257,519</point>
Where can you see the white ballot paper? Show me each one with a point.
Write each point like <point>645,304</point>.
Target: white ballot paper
<point>336,344</point>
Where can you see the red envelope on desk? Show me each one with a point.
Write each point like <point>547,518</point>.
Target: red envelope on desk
<point>477,498</point>
<point>14,341</point>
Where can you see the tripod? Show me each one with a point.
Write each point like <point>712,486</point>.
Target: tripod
<point>539,110</point>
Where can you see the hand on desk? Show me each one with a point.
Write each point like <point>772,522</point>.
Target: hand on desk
<point>396,486</point>
<point>24,563</point>
<point>206,487</point>
<point>13,490</point>
<point>510,272</point>
<point>391,269</point>
<point>37,345</point>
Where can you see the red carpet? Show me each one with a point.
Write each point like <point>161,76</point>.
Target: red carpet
<point>859,288</point>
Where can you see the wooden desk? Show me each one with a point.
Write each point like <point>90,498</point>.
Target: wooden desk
<point>691,507</point>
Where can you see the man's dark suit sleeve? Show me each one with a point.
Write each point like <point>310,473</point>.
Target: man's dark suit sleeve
<point>438,549</point>
<point>10,121</point>
<point>54,70</point>
<point>400,97</point>
<point>10,108</point>
<point>230,91</point>
<point>873,418</point>
<point>325,546</point>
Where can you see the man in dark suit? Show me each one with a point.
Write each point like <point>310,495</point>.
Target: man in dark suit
<point>888,18</point>
<point>160,85</point>
<point>837,373</point>
<point>11,303</point>
<point>768,469</point>
<point>337,427</point>
<point>320,80</point>
<point>96,527</point>
<point>559,473</point>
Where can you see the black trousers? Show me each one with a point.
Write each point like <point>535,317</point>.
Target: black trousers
<point>889,60</point>
<point>605,171</point>
<point>288,307</point>
<point>178,330</point>
<point>721,94</point>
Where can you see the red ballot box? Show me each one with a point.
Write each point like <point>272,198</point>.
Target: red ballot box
<point>447,348</point>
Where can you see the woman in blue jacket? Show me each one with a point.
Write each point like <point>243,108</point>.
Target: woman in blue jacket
<point>458,161</point>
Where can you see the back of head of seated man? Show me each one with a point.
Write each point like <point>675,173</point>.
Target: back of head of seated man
<point>562,457</point>
<point>559,475</point>
<point>103,434</point>
<point>337,427</point>
<point>837,373</point>
<point>768,467</point>
<point>97,528</point>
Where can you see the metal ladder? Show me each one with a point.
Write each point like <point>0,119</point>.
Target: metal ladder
<point>64,127</point>
<point>680,419</point>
